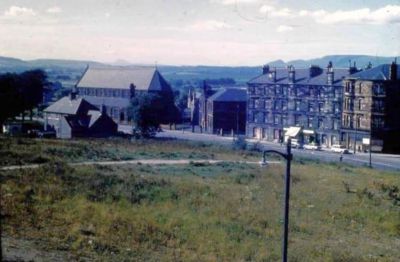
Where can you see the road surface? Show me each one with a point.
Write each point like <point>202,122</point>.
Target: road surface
<point>379,161</point>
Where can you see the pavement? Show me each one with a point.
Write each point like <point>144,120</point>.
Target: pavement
<point>379,161</point>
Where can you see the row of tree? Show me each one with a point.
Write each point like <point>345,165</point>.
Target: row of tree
<point>20,93</point>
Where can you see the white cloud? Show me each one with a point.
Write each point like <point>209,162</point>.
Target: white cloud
<point>209,25</point>
<point>389,14</point>
<point>284,28</point>
<point>54,10</point>
<point>304,12</point>
<point>264,9</point>
<point>16,11</point>
<point>233,2</point>
<point>385,15</point>
<point>275,12</point>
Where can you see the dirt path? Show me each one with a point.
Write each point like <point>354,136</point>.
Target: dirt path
<point>141,161</point>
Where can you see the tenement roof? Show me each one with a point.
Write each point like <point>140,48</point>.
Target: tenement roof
<point>381,72</point>
<point>302,76</point>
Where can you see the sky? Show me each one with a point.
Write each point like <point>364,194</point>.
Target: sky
<point>194,32</point>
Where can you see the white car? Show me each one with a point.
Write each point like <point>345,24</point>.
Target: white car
<point>339,149</point>
<point>312,146</point>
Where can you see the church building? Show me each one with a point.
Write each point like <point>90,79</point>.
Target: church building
<point>113,87</point>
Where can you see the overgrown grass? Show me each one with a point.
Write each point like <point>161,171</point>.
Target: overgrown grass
<point>223,212</point>
<point>19,151</point>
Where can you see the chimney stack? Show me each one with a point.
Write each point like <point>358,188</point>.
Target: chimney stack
<point>265,69</point>
<point>352,69</point>
<point>393,71</point>
<point>314,70</point>
<point>272,75</point>
<point>330,73</point>
<point>73,93</point>
<point>132,89</point>
<point>292,74</point>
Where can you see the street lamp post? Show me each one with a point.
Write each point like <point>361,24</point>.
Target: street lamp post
<point>288,156</point>
<point>237,119</point>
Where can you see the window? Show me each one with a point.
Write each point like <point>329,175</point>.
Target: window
<point>297,105</point>
<point>284,120</point>
<point>335,125</point>
<point>284,105</point>
<point>378,89</point>
<point>321,123</point>
<point>267,103</point>
<point>251,117</point>
<point>297,119</point>
<point>347,104</point>
<point>378,122</point>
<point>358,121</point>
<point>360,104</point>
<point>310,122</point>
<point>266,117</point>
<point>347,121</point>
<point>278,90</point>
<point>310,107</point>
<point>379,105</point>
<point>277,119</point>
<point>252,103</point>
<point>251,90</point>
<point>259,103</point>
<point>321,107</point>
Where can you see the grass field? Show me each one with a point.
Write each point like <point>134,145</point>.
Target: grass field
<point>19,151</point>
<point>201,212</point>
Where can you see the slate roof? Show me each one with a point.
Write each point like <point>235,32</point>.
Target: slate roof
<point>144,78</point>
<point>69,106</point>
<point>380,72</point>
<point>302,76</point>
<point>230,95</point>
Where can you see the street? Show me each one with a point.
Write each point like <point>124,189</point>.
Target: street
<point>379,161</point>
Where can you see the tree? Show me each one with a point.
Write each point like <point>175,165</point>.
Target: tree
<point>149,110</point>
<point>8,97</point>
<point>31,88</point>
<point>20,92</point>
<point>146,111</point>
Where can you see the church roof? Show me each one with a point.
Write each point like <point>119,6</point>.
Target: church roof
<point>143,78</point>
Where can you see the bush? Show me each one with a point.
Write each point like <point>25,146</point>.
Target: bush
<point>239,143</point>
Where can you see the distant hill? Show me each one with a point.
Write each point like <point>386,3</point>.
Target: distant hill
<point>241,74</point>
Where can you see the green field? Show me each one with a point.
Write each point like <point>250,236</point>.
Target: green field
<point>197,212</point>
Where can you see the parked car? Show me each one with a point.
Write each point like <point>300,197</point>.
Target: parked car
<point>295,144</point>
<point>339,149</point>
<point>312,146</point>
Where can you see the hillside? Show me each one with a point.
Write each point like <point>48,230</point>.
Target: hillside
<point>241,74</point>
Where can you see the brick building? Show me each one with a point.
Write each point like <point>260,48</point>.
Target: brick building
<point>371,109</point>
<point>226,111</point>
